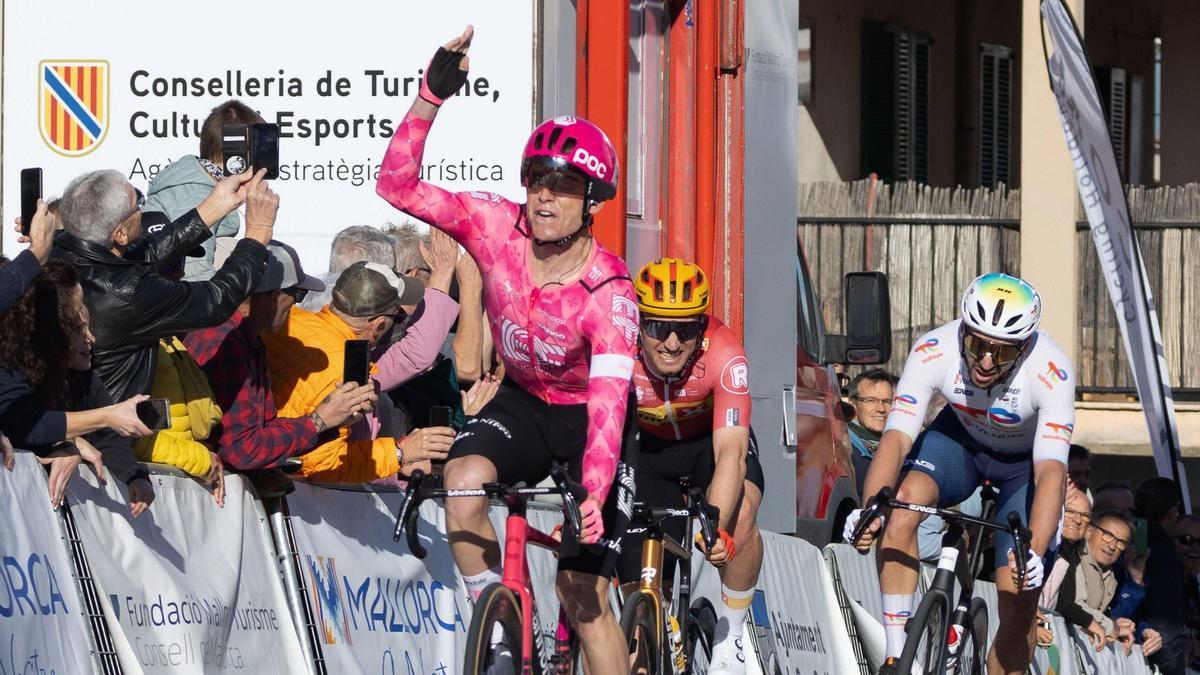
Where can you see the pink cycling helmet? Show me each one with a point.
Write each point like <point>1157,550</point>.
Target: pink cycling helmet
<point>576,142</point>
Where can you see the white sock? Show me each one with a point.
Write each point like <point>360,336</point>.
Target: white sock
<point>731,613</point>
<point>475,583</point>
<point>897,608</point>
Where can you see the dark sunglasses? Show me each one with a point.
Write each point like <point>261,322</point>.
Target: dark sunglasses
<point>298,294</point>
<point>976,347</point>
<point>564,179</point>
<point>661,330</point>
<point>1186,540</point>
<point>139,202</point>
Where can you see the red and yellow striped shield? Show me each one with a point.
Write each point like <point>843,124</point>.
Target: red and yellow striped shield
<point>73,105</point>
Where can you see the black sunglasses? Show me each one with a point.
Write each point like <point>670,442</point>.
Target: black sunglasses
<point>1186,540</point>
<point>659,329</point>
<point>564,180</point>
<point>298,294</point>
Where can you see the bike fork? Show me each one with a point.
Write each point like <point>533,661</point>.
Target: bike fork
<point>958,622</point>
<point>562,644</point>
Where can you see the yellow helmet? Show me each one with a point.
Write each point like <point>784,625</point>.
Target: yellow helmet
<point>671,287</point>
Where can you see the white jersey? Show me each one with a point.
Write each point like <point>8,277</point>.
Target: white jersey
<point>1032,408</point>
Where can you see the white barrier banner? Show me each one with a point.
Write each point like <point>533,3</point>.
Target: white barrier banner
<point>100,91</point>
<point>377,608</point>
<point>795,615</point>
<point>42,628</point>
<point>191,588</point>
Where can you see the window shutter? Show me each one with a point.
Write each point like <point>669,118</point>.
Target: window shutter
<point>995,114</point>
<point>895,102</point>
<point>1114,95</point>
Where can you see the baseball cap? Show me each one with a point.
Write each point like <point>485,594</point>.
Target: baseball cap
<point>367,289</point>
<point>284,271</point>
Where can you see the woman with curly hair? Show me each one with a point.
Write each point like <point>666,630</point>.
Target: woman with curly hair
<point>45,367</point>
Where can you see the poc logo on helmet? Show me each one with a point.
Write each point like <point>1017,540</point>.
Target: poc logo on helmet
<point>582,156</point>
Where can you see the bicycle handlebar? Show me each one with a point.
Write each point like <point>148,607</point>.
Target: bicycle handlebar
<point>707,514</point>
<point>1015,528</point>
<point>416,492</point>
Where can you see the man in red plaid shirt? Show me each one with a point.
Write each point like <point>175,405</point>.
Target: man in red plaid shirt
<point>233,357</point>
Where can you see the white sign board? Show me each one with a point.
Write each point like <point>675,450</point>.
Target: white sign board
<point>190,588</point>
<point>42,627</point>
<point>100,86</point>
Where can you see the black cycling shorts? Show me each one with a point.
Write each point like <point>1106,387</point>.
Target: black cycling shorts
<point>523,436</point>
<point>661,463</point>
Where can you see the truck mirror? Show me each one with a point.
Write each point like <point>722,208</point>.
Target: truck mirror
<point>868,318</point>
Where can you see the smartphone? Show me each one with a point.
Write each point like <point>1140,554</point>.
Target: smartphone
<point>264,149</point>
<point>31,192</point>
<point>155,413</point>
<point>1141,533</point>
<point>357,365</point>
<point>439,415</point>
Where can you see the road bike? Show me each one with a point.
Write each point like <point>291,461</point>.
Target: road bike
<point>645,618</point>
<point>509,604</point>
<point>941,640</point>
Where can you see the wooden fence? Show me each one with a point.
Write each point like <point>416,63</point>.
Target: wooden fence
<point>1167,225</point>
<point>932,242</point>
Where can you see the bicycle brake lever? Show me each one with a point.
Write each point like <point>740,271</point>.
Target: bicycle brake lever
<point>406,517</point>
<point>572,495</point>
<point>1021,537</point>
<point>708,515</point>
<point>873,510</point>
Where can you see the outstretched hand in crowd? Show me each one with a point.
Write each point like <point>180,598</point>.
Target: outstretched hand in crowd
<point>41,233</point>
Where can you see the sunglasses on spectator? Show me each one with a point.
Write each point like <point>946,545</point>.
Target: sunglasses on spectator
<point>871,400</point>
<point>298,294</point>
<point>1110,538</point>
<point>564,180</point>
<point>1003,353</point>
<point>1186,540</point>
<point>661,330</point>
<point>139,202</point>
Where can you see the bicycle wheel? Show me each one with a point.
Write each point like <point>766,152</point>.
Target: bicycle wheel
<point>496,606</point>
<point>702,627</point>
<point>972,651</point>
<point>926,643</point>
<point>642,623</point>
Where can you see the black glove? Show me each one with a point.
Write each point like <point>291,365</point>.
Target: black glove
<point>443,77</point>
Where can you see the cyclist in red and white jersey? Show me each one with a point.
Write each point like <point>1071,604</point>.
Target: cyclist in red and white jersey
<point>1009,416</point>
<point>693,393</point>
<point>564,318</point>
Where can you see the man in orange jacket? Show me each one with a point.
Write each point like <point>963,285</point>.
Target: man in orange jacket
<point>306,359</point>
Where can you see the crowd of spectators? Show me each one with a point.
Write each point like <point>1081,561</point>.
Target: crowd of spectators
<point>1127,567</point>
<point>121,298</point>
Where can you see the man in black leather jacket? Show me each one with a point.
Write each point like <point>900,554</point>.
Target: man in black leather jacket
<point>131,305</point>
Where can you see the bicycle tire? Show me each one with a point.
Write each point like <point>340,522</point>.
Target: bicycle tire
<point>639,619</point>
<point>496,605</point>
<point>702,629</point>
<point>972,652</point>
<point>926,641</point>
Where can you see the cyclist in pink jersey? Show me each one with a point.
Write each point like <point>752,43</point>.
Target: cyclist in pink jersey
<point>564,318</point>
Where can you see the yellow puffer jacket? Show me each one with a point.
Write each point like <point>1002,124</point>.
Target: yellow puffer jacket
<point>305,360</point>
<point>194,412</point>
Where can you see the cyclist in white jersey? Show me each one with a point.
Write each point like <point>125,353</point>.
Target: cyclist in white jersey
<point>1010,411</point>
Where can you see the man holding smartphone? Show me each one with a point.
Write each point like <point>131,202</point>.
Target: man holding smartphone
<point>253,434</point>
<point>307,358</point>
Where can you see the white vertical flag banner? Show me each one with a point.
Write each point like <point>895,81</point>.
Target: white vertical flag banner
<point>1103,197</point>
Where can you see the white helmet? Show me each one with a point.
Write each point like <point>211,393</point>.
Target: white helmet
<point>1002,307</point>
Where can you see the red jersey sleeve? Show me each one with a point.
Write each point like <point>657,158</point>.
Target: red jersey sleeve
<point>730,373</point>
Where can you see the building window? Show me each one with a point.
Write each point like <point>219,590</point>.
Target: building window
<point>804,73</point>
<point>1114,94</point>
<point>995,114</point>
<point>895,102</point>
<point>648,26</point>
